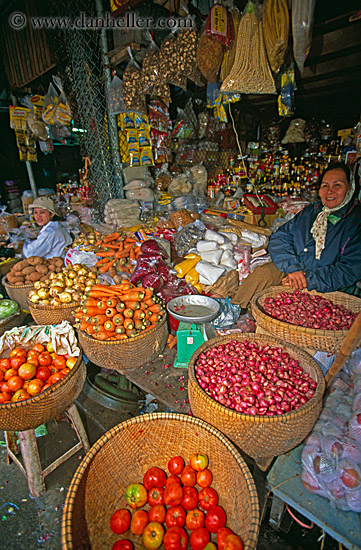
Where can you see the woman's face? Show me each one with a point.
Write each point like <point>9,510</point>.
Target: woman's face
<point>42,216</point>
<point>333,188</point>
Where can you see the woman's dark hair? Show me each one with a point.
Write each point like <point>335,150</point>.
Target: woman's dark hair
<point>336,166</point>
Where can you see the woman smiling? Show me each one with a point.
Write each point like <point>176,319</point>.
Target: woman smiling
<point>320,248</point>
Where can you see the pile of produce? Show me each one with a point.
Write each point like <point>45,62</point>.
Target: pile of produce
<point>254,379</point>
<point>67,286</point>
<point>118,312</point>
<point>171,510</point>
<point>7,308</point>
<point>118,254</point>
<point>86,241</point>
<point>307,310</point>
<point>34,269</point>
<point>27,373</point>
<point>331,457</point>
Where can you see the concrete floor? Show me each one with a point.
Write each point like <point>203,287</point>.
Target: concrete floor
<point>34,523</point>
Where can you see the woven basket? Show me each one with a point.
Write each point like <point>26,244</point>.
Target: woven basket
<point>52,315</point>
<point>15,320</point>
<point>126,355</point>
<point>261,437</point>
<point>18,293</point>
<point>5,267</point>
<point>322,340</point>
<point>124,453</point>
<point>30,413</point>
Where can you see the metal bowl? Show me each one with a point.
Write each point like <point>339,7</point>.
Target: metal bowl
<point>193,308</point>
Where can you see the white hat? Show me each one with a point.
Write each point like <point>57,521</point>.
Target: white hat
<point>45,203</point>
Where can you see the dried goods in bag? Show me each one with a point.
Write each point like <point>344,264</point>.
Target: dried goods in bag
<point>302,22</point>
<point>209,57</point>
<point>229,55</point>
<point>250,73</point>
<point>219,25</point>
<point>276,23</point>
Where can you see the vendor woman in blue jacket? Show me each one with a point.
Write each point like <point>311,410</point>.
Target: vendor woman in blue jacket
<point>320,248</point>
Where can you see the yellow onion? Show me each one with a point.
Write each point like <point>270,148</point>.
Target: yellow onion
<point>76,297</point>
<point>79,287</point>
<point>45,302</point>
<point>35,299</point>
<point>32,293</point>
<point>55,290</point>
<point>55,302</point>
<point>92,275</point>
<point>68,281</point>
<point>43,293</point>
<point>81,279</point>
<point>76,267</point>
<point>37,284</point>
<point>65,297</point>
<point>72,274</point>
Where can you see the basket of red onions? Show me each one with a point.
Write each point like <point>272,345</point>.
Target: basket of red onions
<point>307,319</point>
<point>261,392</point>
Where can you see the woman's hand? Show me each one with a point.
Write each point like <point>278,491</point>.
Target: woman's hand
<point>296,279</point>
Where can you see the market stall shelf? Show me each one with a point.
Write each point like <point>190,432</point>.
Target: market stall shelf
<point>124,453</point>
<point>260,437</point>
<point>284,480</point>
<point>316,339</point>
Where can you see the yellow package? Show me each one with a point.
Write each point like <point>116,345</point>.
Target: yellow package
<point>192,277</point>
<point>144,136</point>
<point>140,120</point>
<point>132,136</point>
<point>134,159</point>
<point>146,156</point>
<point>126,121</point>
<point>184,267</point>
<point>192,256</point>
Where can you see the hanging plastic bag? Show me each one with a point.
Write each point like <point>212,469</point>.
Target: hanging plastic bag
<point>302,23</point>
<point>219,25</point>
<point>116,103</point>
<point>229,314</point>
<point>62,115</point>
<point>209,57</point>
<point>276,22</point>
<point>132,83</point>
<point>50,102</point>
<point>286,97</point>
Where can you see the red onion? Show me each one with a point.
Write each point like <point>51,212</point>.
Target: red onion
<point>254,379</point>
<point>307,310</point>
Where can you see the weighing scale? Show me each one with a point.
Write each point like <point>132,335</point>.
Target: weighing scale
<point>194,313</point>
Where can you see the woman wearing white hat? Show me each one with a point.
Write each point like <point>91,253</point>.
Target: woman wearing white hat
<point>52,239</point>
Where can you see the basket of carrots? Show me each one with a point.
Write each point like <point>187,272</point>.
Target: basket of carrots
<point>121,326</point>
<point>117,253</point>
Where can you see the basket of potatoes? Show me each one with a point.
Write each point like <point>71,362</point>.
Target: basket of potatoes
<point>55,298</point>
<point>24,274</point>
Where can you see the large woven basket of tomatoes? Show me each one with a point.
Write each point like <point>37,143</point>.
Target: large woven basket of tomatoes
<point>37,384</point>
<point>164,480</point>
<point>261,392</point>
<point>312,319</point>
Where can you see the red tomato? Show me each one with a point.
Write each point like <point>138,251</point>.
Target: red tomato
<point>176,465</point>
<point>1,376</point>
<point>233,542</point>
<point>4,386</point>
<point>33,360</point>
<point>59,362</point>
<point>20,395</point>
<point>34,387</point>
<point>153,535</point>
<point>190,498</point>
<point>154,477</point>
<point>210,546</point>
<point>71,362</point>
<point>195,519</point>
<point>18,352</point>
<point>204,478</point>
<point>215,519</point>
<point>199,462</point>
<point>123,544</point>
<point>208,497</point>
<point>157,513</point>
<point>199,538</point>
<point>42,373</point>
<point>173,479</point>
<point>45,359</point>
<point>120,521</point>
<point>175,539</point>
<point>4,397</point>
<point>156,496</point>
<point>27,371</point>
<point>54,378</point>
<point>222,534</point>
<point>16,361</point>
<point>175,516</point>
<point>38,347</point>
<point>10,373</point>
<point>33,353</point>
<point>188,476</point>
<point>4,364</point>
<point>173,494</point>
<point>139,521</point>
<point>45,387</point>
<point>15,383</point>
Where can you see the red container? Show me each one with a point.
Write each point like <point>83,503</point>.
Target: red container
<point>270,207</point>
<point>173,323</point>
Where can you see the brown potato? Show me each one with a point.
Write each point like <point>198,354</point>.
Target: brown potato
<point>35,276</point>
<point>18,273</point>
<point>32,260</point>
<point>17,281</point>
<point>28,270</point>
<point>51,267</point>
<point>43,278</point>
<point>20,265</point>
<point>41,269</point>
<point>59,263</point>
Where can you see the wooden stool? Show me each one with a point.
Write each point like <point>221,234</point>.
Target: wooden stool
<point>30,454</point>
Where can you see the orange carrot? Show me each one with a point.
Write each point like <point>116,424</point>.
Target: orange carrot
<point>110,312</point>
<point>120,306</point>
<point>112,302</point>
<point>128,312</point>
<point>103,335</point>
<point>99,319</point>
<point>111,237</point>
<point>143,306</point>
<point>92,310</point>
<point>109,325</point>
<point>156,308</point>
<point>83,325</point>
<point>133,296</point>
<point>89,329</point>
<point>105,253</point>
<point>172,341</point>
<point>90,302</point>
<point>105,267</point>
<point>121,337</point>
<point>128,323</point>
<point>132,255</point>
<point>102,305</point>
<point>118,319</point>
<point>150,301</point>
<point>155,317</point>
<point>119,329</point>
<point>139,325</point>
<point>138,314</point>
<point>131,332</point>
<point>132,305</point>
<point>130,240</point>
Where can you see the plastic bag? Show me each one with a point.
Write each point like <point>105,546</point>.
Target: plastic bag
<point>209,57</point>
<point>50,102</point>
<point>302,22</point>
<point>153,247</point>
<point>229,314</point>
<point>133,98</point>
<point>242,255</point>
<point>116,103</point>
<point>275,29</point>
<point>245,323</point>
<point>188,237</point>
<point>286,97</point>
<point>219,25</point>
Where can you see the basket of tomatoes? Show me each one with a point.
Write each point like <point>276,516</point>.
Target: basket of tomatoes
<point>38,378</point>
<point>165,480</point>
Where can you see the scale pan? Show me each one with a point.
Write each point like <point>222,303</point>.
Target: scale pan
<point>193,308</point>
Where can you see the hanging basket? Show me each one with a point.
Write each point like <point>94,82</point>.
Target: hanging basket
<point>122,456</point>
<point>261,437</point>
<point>322,340</point>
<point>126,355</point>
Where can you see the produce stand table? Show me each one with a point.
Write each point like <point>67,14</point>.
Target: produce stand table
<point>284,480</point>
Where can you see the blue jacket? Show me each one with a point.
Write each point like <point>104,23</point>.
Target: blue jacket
<point>292,248</point>
<point>51,241</point>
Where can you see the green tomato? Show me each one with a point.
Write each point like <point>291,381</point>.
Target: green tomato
<point>136,495</point>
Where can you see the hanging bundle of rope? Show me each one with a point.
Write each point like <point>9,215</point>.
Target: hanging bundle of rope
<point>250,73</point>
